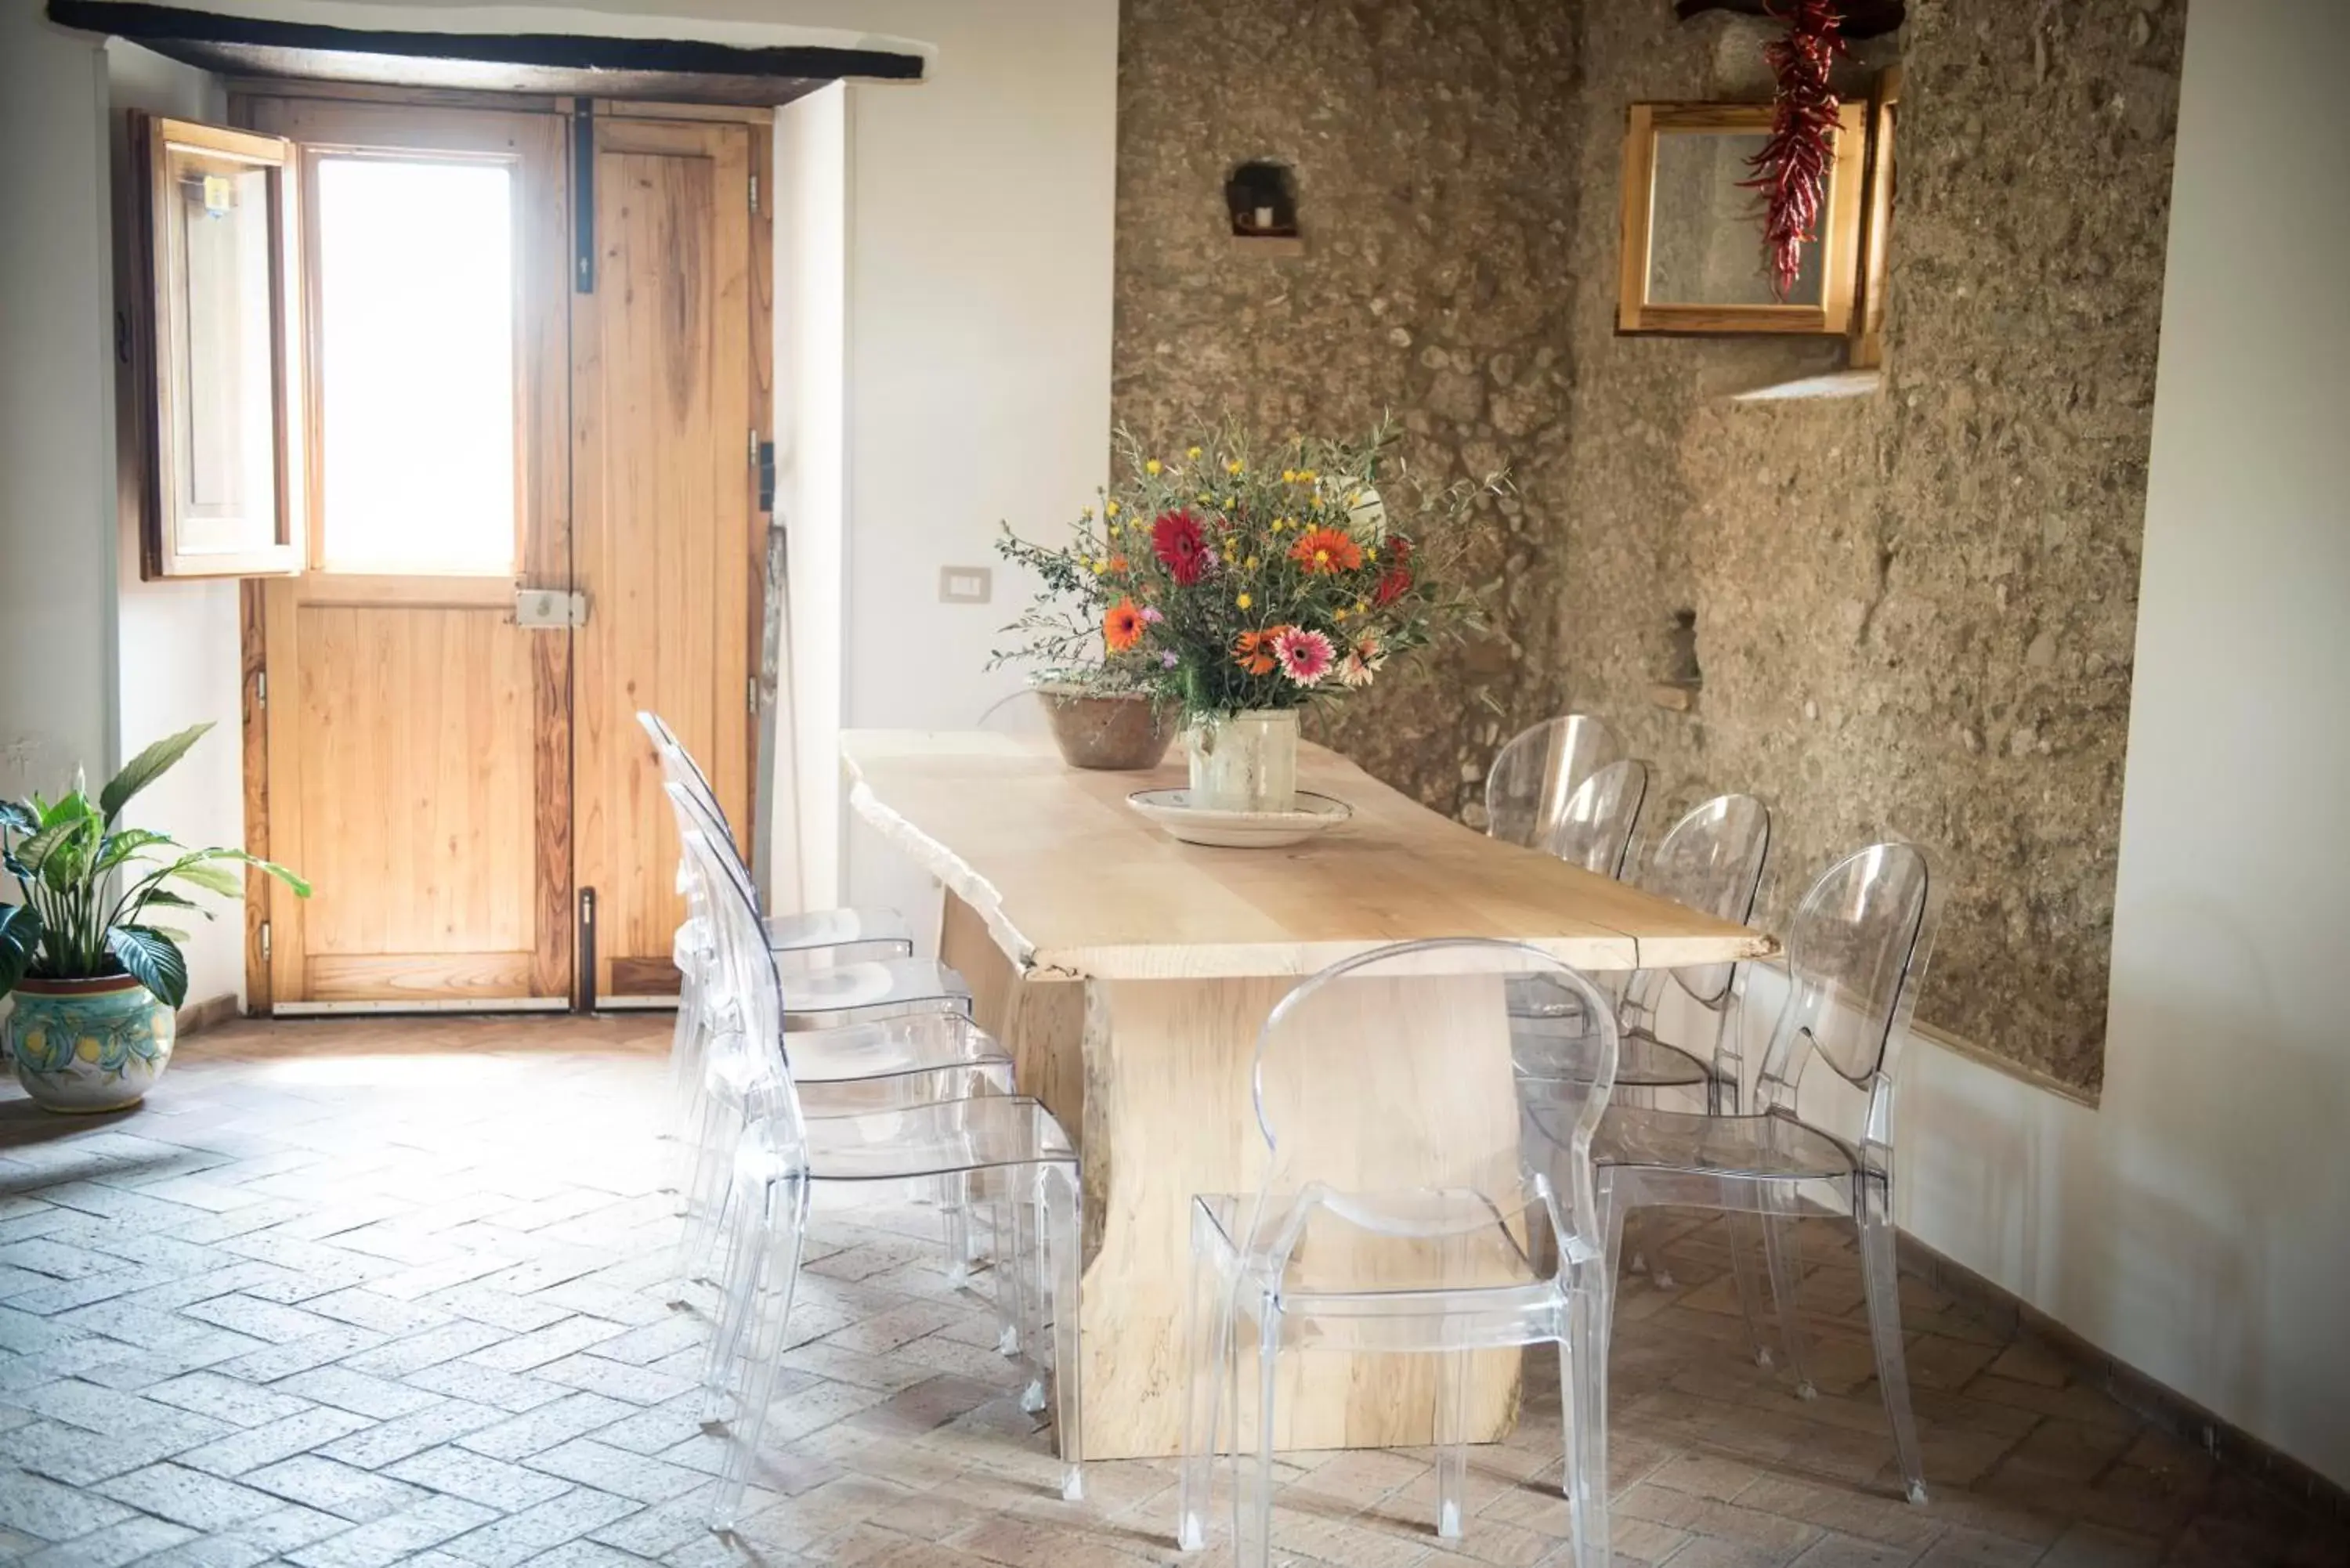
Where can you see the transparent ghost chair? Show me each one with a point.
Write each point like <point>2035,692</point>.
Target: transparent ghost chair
<point>781,1155</point>
<point>1593,829</point>
<point>1020,713</point>
<point>1411,1227</point>
<point>1711,860</point>
<point>832,935</point>
<point>1527,788</point>
<point>842,1069</point>
<point>1857,952</point>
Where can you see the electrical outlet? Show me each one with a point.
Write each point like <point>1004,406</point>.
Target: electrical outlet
<point>966,585</point>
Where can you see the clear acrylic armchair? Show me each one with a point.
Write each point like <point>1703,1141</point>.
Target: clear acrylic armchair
<point>1001,1148</point>
<point>1527,788</point>
<point>1856,953</point>
<point>1413,1228</point>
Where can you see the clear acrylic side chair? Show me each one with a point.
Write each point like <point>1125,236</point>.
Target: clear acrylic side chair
<point>1711,860</point>
<point>1594,828</point>
<point>1319,1258</point>
<point>832,935</point>
<point>1006,1148</point>
<point>842,1069</point>
<point>1856,953</point>
<point>1527,787</point>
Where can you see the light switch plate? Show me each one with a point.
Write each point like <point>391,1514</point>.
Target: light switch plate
<point>966,585</point>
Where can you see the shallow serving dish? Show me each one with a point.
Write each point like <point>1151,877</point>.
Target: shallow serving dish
<point>1171,810</point>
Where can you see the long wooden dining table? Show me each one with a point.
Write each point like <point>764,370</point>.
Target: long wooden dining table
<point>1130,975</point>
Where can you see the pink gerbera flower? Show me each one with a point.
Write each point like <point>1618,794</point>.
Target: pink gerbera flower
<point>1304,657</point>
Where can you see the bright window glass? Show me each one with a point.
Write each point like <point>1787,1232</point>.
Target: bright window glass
<point>417,367</point>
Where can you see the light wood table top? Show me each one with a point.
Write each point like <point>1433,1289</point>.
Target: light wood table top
<point>1072,883</point>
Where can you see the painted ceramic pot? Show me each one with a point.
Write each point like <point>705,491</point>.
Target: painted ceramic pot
<point>88,1044</point>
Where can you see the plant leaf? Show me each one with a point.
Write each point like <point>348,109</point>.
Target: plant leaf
<point>301,888</point>
<point>18,814</point>
<point>117,847</point>
<point>146,767</point>
<point>63,840</point>
<point>210,879</point>
<point>152,958</point>
<point>73,806</point>
<point>20,940</point>
<point>171,900</point>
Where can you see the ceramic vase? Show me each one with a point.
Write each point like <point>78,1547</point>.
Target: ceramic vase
<point>1243,761</point>
<point>85,1045</point>
<point>1125,732</point>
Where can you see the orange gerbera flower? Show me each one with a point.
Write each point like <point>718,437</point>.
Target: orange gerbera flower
<point>1253,650</point>
<point>1324,550</point>
<point>1122,627</point>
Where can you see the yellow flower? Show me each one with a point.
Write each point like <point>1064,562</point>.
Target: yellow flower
<point>1099,567</point>
<point>1306,476</point>
<point>1338,615</point>
<point>1243,601</point>
<point>1110,510</point>
<point>1360,607</point>
<point>1231,465</point>
<point>1249,565</point>
<point>1152,468</point>
<point>1086,516</point>
<point>1370,551</point>
<point>1288,476</point>
<point>1192,452</point>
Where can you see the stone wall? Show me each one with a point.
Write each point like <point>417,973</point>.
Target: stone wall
<point>1914,611</point>
<point>1425,140</point>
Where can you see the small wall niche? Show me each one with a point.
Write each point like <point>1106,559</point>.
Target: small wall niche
<point>1262,198</point>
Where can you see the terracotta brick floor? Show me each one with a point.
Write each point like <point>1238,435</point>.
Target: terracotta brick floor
<point>358,1293</point>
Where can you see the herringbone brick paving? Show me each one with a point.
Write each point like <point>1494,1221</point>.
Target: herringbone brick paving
<point>355,1293</point>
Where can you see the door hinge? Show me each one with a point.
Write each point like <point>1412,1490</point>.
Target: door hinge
<point>752,690</point>
<point>754,448</point>
<point>755,192</point>
<point>264,942</point>
<point>261,689</point>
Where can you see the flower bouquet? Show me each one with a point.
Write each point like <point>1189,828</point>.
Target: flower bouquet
<point>1240,588</point>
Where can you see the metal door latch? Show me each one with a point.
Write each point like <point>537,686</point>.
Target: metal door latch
<point>549,609</point>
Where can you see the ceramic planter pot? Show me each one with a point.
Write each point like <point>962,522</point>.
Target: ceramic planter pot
<point>1125,733</point>
<point>88,1044</point>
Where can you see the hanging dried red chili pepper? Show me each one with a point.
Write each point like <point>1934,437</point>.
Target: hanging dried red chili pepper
<point>1792,169</point>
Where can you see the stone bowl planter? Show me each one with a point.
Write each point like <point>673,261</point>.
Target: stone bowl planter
<point>1125,732</point>
<point>85,1045</point>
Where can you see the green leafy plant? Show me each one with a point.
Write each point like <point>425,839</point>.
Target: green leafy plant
<point>89,887</point>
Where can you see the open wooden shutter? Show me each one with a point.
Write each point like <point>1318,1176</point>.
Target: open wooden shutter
<point>217,352</point>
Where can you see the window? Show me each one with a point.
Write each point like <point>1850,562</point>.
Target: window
<point>416,366</point>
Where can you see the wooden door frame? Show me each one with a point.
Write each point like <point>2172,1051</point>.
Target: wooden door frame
<point>552,666</point>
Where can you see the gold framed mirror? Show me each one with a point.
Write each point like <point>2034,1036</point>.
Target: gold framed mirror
<point>1693,258</point>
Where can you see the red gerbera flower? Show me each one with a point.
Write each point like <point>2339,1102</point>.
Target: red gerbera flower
<point>1181,547</point>
<point>1396,581</point>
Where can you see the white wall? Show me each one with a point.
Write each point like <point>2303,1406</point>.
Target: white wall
<point>178,641</point>
<point>56,412</point>
<point>2196,1224</point>
<point>811,481</point>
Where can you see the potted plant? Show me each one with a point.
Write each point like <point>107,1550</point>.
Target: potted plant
<point>98,982</point>
<point>1238,590</point>
<point>1104,711</point>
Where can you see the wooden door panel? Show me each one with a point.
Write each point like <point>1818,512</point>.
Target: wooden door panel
<point>417,741</point>
<point>663,409</point>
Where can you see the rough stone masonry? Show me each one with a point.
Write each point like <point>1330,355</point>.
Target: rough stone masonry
<point>1913,611</point>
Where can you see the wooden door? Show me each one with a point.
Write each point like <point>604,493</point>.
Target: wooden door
<point>417,761</point>
<point>671,358</point>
